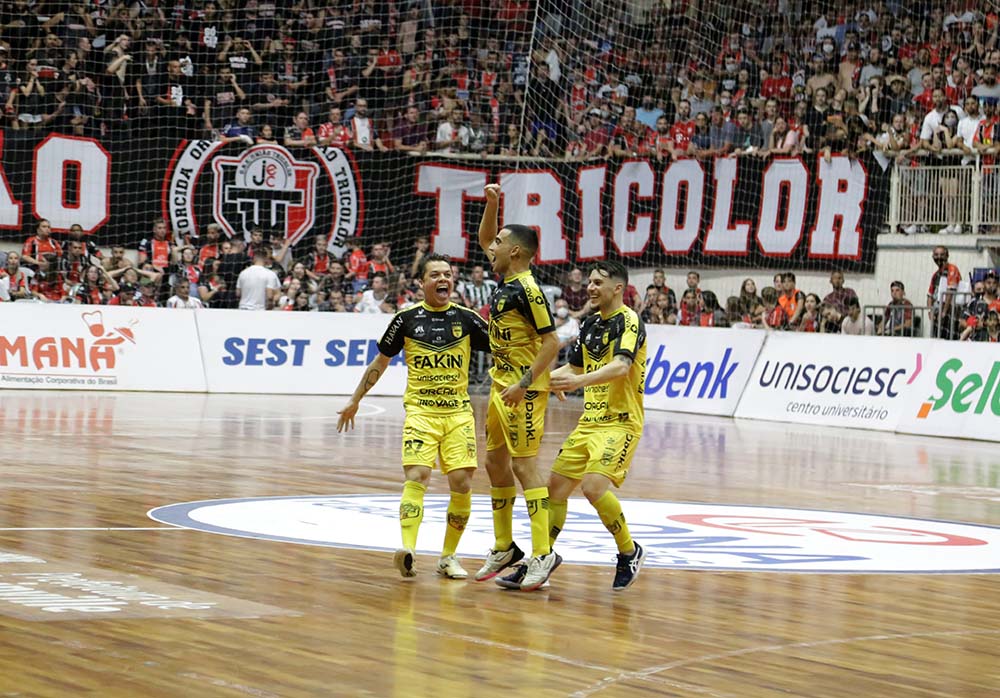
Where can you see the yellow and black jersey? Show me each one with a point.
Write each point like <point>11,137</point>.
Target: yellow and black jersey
<point>601,339</point>
<point>519,316</point>
<point>437,345</point>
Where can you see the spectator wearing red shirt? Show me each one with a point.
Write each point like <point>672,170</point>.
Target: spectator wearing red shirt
<point>146,298</point>
<point>379,261</point>
<point>45,256</point>
<point>630,138</point>
<point>778,86</point>
<point>595,140</point>
<point>692,314</point>
<point>318,260</point>
<point>809,322</point>
<point>41,243</point>
<point>156,250</point>
<point>334,133</point>
<point>791,300</point>
<point>942,302</point>
<point>210,246</point>
<point>256,242</point>
<point>357,268</point>
<point>578,98</point>
<point>96,287</point>
<point>299,134</point>
<point>925,100</point>
<point>682,131</point>
<point>662,143</point>
<point>126,295</point>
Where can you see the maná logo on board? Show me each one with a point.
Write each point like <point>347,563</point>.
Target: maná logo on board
<point>964,392</point>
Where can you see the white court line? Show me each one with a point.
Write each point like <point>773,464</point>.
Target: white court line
<point>472,639</point>
<point>97,528</point>
<point>648,672</point>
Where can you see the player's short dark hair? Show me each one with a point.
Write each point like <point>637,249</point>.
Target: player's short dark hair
<point>525,237</point>
<point>788,276</point>
<point>262,252</point>
<point>613,270</point>
<point>427,259</point>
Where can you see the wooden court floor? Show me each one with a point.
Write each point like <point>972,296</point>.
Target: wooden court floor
<point>97,599</point>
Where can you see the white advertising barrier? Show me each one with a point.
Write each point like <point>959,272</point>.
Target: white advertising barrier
<point>698,369</point>
<point>957,394</point>
<point>305,353</point>
<point>82,347</point>
<point>860,382</point>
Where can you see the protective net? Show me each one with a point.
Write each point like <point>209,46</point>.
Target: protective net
<point>665,133</point>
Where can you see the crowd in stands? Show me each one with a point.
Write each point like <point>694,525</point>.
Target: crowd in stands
<point>953,312</point>
<point>564,78</point>
<point>262,275</point>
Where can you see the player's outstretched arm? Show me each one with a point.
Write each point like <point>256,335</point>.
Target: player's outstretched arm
<point>488,225</point>
<point>374,371</point>
<point>564,370</point>
<point>567,382</point>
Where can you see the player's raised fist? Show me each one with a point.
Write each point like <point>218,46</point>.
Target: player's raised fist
<point>492,193</point>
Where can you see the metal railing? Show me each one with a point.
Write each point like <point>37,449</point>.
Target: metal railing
<point>923,193</point>
<point>944,320</point>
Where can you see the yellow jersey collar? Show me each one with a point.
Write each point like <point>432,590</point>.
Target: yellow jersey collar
<point>518,275</point>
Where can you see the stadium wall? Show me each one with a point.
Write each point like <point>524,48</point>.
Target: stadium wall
<point>930,387</point>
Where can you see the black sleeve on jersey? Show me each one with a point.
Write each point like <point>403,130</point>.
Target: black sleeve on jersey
<point>535,308</point>
<point>575,356</point>
<point>479,335</point>
<point>631,336</point>
<point>392,341</point>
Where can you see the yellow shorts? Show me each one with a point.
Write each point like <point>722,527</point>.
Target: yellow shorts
<point>519,429</point>
<point>450,439</point>
<point>606,449</point>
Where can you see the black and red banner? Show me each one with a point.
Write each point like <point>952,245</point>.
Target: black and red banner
<point>796,213</point>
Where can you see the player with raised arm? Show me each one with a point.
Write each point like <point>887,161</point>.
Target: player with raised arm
<point>437,337</point>
<point>609,362</point>
<point>524,344</point>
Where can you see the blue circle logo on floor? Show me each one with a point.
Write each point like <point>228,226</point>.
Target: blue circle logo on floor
<point>677,535</point>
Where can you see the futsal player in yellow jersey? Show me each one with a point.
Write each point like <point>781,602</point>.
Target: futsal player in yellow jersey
<point>609,362</point>
<point>524,344</point>
<point>437,336</point>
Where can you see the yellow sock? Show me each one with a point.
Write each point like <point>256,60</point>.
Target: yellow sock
<point>610,511</point>
<point>503,516</point>
<point>411,512</point>
<point>459,508</point>
<point>538,511</point>
<point>557,519</point>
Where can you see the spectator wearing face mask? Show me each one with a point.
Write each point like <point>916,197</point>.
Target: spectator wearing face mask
<point>567,326</point>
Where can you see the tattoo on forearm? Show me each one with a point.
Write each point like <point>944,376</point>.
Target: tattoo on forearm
<point>525,381</point>
<point>624,359</point>
<point>371,378</point>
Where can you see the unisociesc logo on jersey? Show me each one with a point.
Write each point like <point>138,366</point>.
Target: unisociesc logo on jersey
<point>675,535</point>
